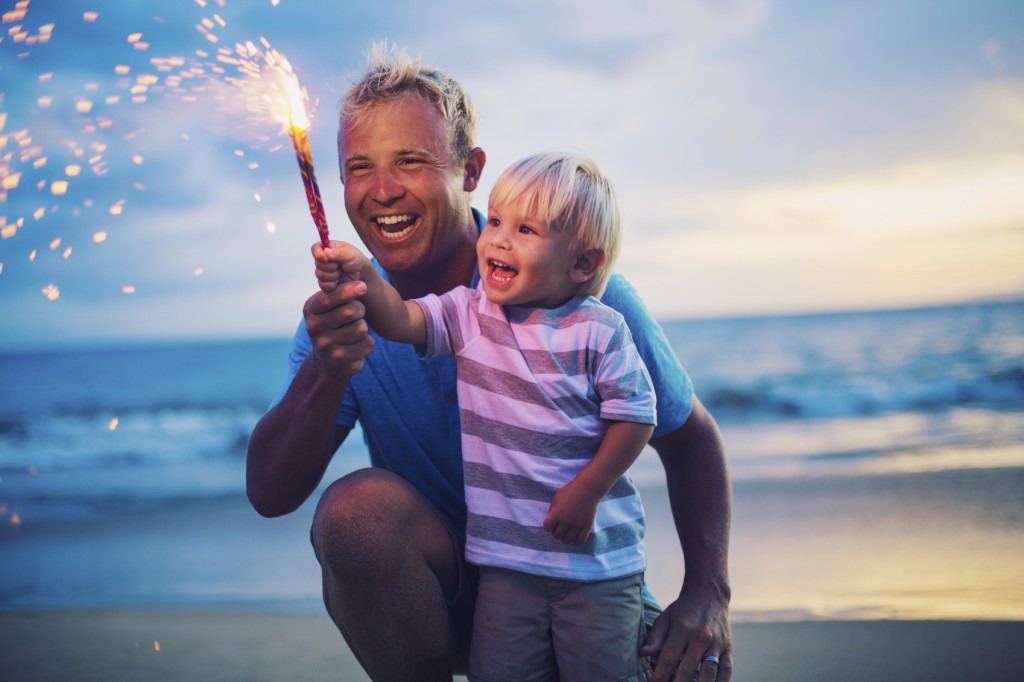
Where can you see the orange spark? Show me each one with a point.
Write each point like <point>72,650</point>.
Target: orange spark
<point>113,424</point>
<point>59,187</point>
<point>99,237</point>
<point>90,16</point>
<point>51,292</point>
<point>128,289</point>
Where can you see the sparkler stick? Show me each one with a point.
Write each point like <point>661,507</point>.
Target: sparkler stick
<point>298,127</point>
<point>316,207</point>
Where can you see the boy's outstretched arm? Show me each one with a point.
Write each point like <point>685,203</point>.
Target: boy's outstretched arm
<point>574,507</point>
<point>386,312</point>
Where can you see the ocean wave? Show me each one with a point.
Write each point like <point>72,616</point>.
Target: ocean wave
<point>97,439</point>
<point>807,396</point>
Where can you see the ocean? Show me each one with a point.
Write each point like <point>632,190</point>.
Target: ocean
<point>136,435</point>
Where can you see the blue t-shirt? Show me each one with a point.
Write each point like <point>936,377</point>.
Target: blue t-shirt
<point>409,412</point>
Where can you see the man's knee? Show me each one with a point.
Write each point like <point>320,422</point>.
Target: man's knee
<point>359,512</point>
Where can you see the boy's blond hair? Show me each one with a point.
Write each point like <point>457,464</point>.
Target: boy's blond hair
<point>392,74</point>
<point>569,192</point>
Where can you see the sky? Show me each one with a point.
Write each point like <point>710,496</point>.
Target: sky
<point>771,157</point>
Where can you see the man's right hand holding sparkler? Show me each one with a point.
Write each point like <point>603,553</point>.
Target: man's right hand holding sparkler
<point>334,317</point>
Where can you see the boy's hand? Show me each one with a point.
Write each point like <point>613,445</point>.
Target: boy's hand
<point>571,515</point>
<point>341,262</point>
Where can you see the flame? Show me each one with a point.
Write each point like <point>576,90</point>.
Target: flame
<point>291,109</point>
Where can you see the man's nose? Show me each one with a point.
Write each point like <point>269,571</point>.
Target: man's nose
<point>386,187</point>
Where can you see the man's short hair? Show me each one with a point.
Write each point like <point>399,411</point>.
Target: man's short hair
<point>570,193</point>
<point>392,74</point>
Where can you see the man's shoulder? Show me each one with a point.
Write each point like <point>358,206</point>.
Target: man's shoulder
<point>619,295</point>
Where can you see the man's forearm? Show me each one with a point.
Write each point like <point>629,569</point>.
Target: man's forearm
<point>292,444</point>
<point>701,498</point>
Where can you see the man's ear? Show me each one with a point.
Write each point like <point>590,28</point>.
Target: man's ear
<point>586,265</point>
<point>474,168</point>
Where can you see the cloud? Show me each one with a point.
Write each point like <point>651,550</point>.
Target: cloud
<point>931,231</point>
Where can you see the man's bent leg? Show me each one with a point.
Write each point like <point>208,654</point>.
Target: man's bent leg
<point>387,562</point>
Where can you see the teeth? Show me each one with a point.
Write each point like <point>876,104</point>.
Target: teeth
<point>393,219</point>
<point>395,235</point>
<point>501,272</point>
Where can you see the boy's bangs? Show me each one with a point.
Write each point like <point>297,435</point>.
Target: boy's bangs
<point>536,191</point>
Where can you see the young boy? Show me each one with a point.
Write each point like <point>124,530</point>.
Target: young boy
<point>555,405</point>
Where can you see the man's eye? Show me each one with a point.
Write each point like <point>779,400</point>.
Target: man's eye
<point>411,162</point>
<point>358,169</point>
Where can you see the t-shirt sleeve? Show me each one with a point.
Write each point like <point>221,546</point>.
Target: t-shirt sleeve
<point>672,385</point>
<point>623,382</point>
<point>438,342</point>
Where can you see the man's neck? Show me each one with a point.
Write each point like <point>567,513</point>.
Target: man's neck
<point>453,269</point>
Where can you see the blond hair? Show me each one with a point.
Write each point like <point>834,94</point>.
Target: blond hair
<point>392,74</point>
<point>569,192</point>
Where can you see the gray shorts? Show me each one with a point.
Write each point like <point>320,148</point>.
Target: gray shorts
<point>527,627</point>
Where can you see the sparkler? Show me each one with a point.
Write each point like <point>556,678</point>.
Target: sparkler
<point>298,128</point>
<point>43,179</point>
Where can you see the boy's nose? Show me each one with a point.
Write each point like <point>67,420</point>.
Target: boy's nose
<point>499,239</point>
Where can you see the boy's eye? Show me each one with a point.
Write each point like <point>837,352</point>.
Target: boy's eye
<point>493,222</point>
<point>526,229</point>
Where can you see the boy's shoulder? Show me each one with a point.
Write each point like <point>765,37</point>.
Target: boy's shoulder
<point>590,310</point>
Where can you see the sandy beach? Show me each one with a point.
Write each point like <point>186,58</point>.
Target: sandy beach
<point>834,579</point>
<point>256,646</point>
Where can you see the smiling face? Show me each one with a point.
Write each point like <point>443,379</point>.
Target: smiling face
<point>524,262</point>
<point>407,198</point>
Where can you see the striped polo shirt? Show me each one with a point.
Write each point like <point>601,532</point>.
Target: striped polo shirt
<point>536,388</point>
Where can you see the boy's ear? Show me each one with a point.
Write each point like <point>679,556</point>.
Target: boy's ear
<point>586,265</point>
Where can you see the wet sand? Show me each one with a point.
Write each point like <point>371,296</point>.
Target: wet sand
<point>148,645</point>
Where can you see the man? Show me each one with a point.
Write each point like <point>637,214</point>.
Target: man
<point>389,538</point>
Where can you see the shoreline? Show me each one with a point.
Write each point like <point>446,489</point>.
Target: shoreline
<point>173,644</point>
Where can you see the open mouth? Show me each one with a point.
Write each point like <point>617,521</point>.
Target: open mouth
<point>394,227</point>
<point>499,272</point>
